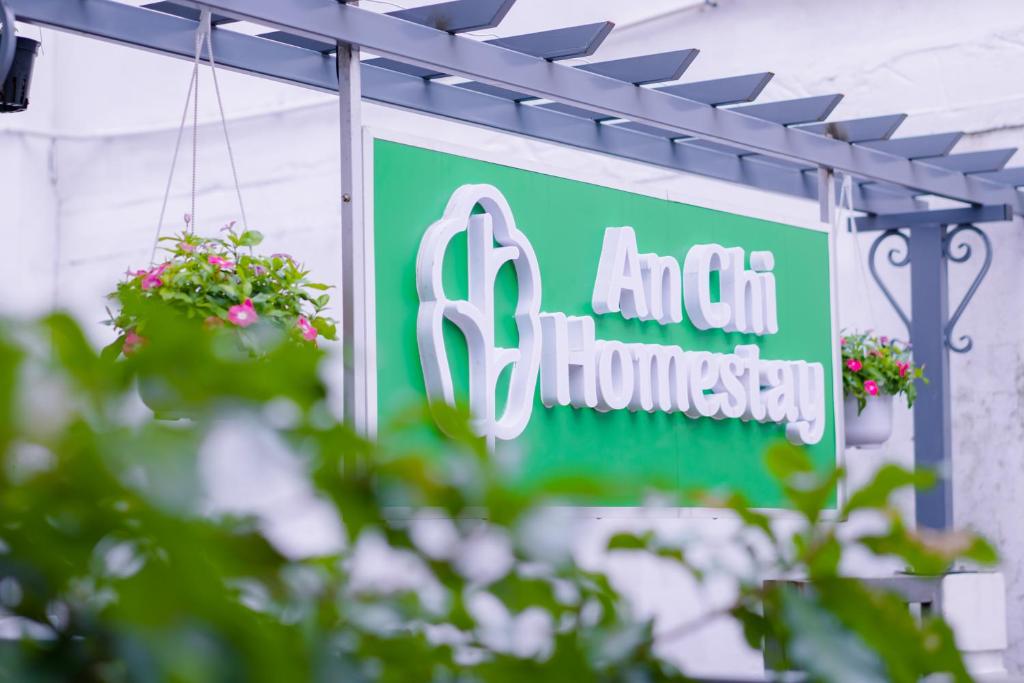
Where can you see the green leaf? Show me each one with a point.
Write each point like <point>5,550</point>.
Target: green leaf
<point>250,238</point>
<point>784,460</point>
<point>820,645</point>
<point>889,479</point>
<point>627,541</point>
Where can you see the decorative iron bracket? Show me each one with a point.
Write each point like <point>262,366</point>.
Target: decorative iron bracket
<point>949,251</point>
<point>952,249</point>
<point>896,259</point>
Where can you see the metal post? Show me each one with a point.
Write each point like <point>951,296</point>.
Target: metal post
<point>930,311</point>
<point>354,328</point>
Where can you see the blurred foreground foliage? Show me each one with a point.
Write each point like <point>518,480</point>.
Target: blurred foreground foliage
<point>115,566</point>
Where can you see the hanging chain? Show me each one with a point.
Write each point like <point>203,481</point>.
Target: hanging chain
<point>204,35</point>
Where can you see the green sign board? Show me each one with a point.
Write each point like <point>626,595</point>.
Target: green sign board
<point>598,331</point>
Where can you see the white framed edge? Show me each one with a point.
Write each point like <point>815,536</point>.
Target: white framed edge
<point>786,213</point>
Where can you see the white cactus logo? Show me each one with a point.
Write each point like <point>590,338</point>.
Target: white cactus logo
<point>492,240</point>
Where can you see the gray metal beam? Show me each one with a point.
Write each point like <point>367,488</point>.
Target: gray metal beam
<point>559,43</point>
<point>186,12</point>
<point>918,146</point>
<point>792,112</point>
<point>722,91</point>
<point>300,41</point>
<point>974,162</point>
<point>575,111</point>
<point>458,16</point>
<point>495,91</point>
<point>174,36</point>
<point>428,48</point>
<point>859,130</point>
<point>431,49</point>
<point>929,301</point>
<point>956,216</point>
<point>655,68</point>
<point>1009,176</point>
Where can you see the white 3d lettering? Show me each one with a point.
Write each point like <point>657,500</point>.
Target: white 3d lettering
<point>578,369</point>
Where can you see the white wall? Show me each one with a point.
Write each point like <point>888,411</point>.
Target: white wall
<point>86,167</point>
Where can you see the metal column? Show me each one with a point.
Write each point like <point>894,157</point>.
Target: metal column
<point>932,433</point>
<point>354,326</point>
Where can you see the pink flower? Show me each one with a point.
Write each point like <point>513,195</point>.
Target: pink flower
<point>854,365</point>
<point>308,331</point>
<point>842,341</point>
<point>884,340</point>
<point>903,367</point>
<point>186,247</point>
<point>132,342</point>
<point>871,386</point>
<point>221,262</point>
<point>151,281</point>
<point>244,314</point>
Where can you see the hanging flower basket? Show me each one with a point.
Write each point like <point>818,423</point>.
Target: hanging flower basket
<point>259,301</point>
<point>15,88</point>
<point>875,369</point>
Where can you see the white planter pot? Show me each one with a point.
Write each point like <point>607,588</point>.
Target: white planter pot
<point>873,426</point>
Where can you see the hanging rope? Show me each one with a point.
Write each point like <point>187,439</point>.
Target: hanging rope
<point>842,217</point>
<point>204,36</point>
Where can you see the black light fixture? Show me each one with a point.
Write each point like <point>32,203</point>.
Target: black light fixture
<point>17,57</point>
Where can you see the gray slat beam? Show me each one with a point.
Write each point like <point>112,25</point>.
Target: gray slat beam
<point>722,91</point>
<point>859,130</point>
<point>405,68</point>
<point>460,56</point>
<point>785,113</point>
<point>1007,176</point>
<point>650,130</point>
<point>918,146</point>
<point>458,16</point>
<point>655,68</point>
<point>559,43</point>
<point>716,92</point>
<point>973,162</point>
<point>186,12</point>
<point>300,41</point>
<point>495,91</point>
<point>173,36</point>
<point>575,111</point>
<point>936,217</point>
<point>853,130</point>
<point>792,112</point>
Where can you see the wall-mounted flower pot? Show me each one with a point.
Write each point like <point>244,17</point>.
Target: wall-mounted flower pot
<point>873,426</point>
<point>15,88</point>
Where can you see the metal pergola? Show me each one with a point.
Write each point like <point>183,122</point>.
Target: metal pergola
<point>634,108</point>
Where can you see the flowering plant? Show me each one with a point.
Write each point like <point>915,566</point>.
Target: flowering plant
<point>877,365</point>
<point>222,283</point>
